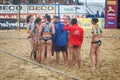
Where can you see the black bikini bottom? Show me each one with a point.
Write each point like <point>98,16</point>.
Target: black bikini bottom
<point>46,38</point>
<point>99,42</point>
<point>29,37</point>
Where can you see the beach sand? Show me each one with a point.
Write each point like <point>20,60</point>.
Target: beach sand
<point>16,42</point>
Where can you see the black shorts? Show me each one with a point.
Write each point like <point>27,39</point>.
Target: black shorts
<point>76,46</point>
<point>60,48</point>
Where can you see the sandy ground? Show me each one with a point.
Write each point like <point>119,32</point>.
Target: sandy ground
<point>16,42</point>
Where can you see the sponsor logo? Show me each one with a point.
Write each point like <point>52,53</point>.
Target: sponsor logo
<point>111,22</point>
<point>110,9</point>
<point>9,7</point>
<point>76,32</point>
<point>50,8</point>
<point>111,2</point>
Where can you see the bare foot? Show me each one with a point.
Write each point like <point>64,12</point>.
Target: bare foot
<point>70,66</point>
<point>31,57</point>
<point>93,68</point>
<point>48,65</point>
<point>65,64</point>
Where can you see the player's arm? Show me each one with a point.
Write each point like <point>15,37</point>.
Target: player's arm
<point>53,29</point>
<point>66,27</point>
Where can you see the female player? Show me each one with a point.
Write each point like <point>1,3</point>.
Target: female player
<point>96,42</point>
<point>30,33</point>
<point>46,29</point>
<point>37,48</point>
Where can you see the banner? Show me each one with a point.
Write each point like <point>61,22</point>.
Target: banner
<point>12,9</point>
<point>73,15</point>
<point>7,23</point>
<point>86,22</point>
<point>72,9</point>
<point>31,9</point>
<point>111,14</point>
<point>43,9</point>
<point>10,24</point>
<point>10,21</point>
<point>13,16</point>
<point>22,16</point>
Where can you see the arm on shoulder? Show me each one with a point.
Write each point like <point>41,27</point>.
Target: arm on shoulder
<point>66,27</point>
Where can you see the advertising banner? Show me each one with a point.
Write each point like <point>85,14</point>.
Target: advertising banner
<point>86,22</point>
<point>22,16</point>
<point>10,21</point>
<point>12,9</point>
<point>43,9</point>
<point>73,15</point>
<point>72,9</point>
<point>13,16</point>
<point>10,24</point>
<point>7,23</point>
<point>31,9</point>
<point>9,14</point>
<point>111,14</point>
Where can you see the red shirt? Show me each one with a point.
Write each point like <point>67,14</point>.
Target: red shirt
<point>76,34</point>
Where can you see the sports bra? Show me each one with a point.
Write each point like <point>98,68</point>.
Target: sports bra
<point>46,28</point>
<point>97,31</point>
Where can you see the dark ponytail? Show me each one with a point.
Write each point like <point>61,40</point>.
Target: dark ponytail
<point>47,17</point>
<point>28,18</point>
<point>37,20</point>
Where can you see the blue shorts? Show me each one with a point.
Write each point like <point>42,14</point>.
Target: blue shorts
<point>60,48</point>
